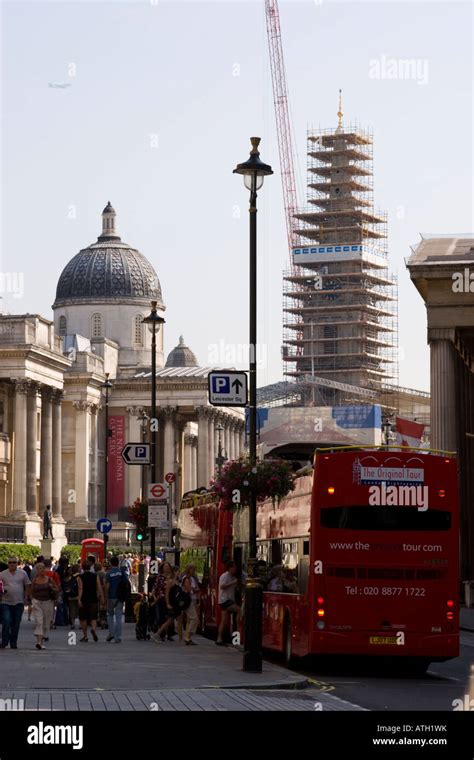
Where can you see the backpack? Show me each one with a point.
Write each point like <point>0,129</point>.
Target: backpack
<point>124,589</point>
<point>179,599</point>
<point>71,587</point>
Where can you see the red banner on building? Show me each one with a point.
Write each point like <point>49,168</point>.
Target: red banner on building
<point>116,465</point>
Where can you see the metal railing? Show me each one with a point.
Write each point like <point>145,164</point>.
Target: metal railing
<point>11,534</point>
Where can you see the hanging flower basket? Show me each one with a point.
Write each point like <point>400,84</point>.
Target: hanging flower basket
<point>138,513</point>
<point>273,479</point>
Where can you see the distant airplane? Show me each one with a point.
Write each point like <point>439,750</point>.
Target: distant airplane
<point>60,86</point>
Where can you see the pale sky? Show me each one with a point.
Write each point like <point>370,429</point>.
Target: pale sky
<point>163,99</point>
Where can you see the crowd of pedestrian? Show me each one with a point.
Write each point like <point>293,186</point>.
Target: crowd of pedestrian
<point>59,593</point>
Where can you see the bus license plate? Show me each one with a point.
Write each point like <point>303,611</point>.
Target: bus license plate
<point>382,640</point>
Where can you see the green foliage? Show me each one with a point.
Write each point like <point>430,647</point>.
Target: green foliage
<point>72,552</point>
<point>196,557</point>
<point>24,552</point>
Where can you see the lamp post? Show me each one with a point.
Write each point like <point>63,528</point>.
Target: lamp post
<point>220,458</point>
<point>253,171</point>
<point>154,322</point>
<point>143,418</point>
<point>107,386</point>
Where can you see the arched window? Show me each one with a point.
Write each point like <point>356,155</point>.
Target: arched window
<point>138,330</point>
<point>62,326</point>
<point>96,331</point>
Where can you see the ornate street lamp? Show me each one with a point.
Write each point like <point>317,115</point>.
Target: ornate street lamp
<point>253,171</point>
<point>154,321</point>
<point>107,386</point>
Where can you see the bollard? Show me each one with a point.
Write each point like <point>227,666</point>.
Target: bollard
<point>141,577</point>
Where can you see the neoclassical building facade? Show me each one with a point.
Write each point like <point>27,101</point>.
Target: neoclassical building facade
<point>52,400</point>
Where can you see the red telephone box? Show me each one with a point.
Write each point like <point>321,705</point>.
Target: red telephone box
<point>93,546</point>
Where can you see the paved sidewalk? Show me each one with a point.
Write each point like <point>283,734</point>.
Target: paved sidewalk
<point>175,700</point>
<point>144,676</point>
<point>467,618</point>
<point>69,663</point>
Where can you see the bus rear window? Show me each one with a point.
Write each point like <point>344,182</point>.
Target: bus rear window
<point>385,518</point>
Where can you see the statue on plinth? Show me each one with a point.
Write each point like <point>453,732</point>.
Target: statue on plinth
<point>47,522</point>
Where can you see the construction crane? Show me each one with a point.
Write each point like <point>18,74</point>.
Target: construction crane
<point>282,113</point>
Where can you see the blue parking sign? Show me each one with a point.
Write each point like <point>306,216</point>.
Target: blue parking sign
<point>227,388</point>
<point>220,384</point>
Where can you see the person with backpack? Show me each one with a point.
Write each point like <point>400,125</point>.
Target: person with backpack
<point>177,601</point>
<point>117,589</point>
<point>71,594</point>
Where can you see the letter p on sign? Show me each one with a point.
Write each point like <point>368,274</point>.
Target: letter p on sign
<point>221,384</point>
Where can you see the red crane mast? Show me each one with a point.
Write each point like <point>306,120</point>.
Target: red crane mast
<point>282,113</point>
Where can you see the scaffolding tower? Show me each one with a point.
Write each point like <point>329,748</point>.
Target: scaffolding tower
<point>340,301</point>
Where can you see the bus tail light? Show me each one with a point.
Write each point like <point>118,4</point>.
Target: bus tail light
<point>442,493</point>
<point>320,611</point>
<point>331,490</point>
<point>450,613</point>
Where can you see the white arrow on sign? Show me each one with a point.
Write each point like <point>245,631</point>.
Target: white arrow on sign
<point>136,453</point>
<point>227,388</point>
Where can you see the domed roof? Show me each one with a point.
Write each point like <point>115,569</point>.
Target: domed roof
<point>108,269</point>
<point>181,356</point>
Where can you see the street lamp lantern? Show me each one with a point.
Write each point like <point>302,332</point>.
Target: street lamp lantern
<point>253,171</point>
<point>107,387</point>
<point>154,322</point>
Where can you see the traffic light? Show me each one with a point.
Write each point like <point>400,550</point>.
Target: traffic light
<point>141,534</point>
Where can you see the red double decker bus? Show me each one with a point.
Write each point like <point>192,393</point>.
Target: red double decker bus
<point>362,557</point>
<point>205,540</point>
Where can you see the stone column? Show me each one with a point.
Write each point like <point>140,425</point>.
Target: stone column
<point>443,390</point>
<point>217,422</point>
<point>19,461</point>
<point>203,447</point>
<point>212,455</point>
<point>57,455</point>
<point>231,439</point>
<point>82,473</point>
<point>94,462</point>
<point>226,434</point>
<point>236,435</point>
<point>31,450</point>
<point>194,460</point>
<point>179,462</point>
<point>242,438</point>
<point>46,454</point>
<point>168,415</point>
<point>188,463</point>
